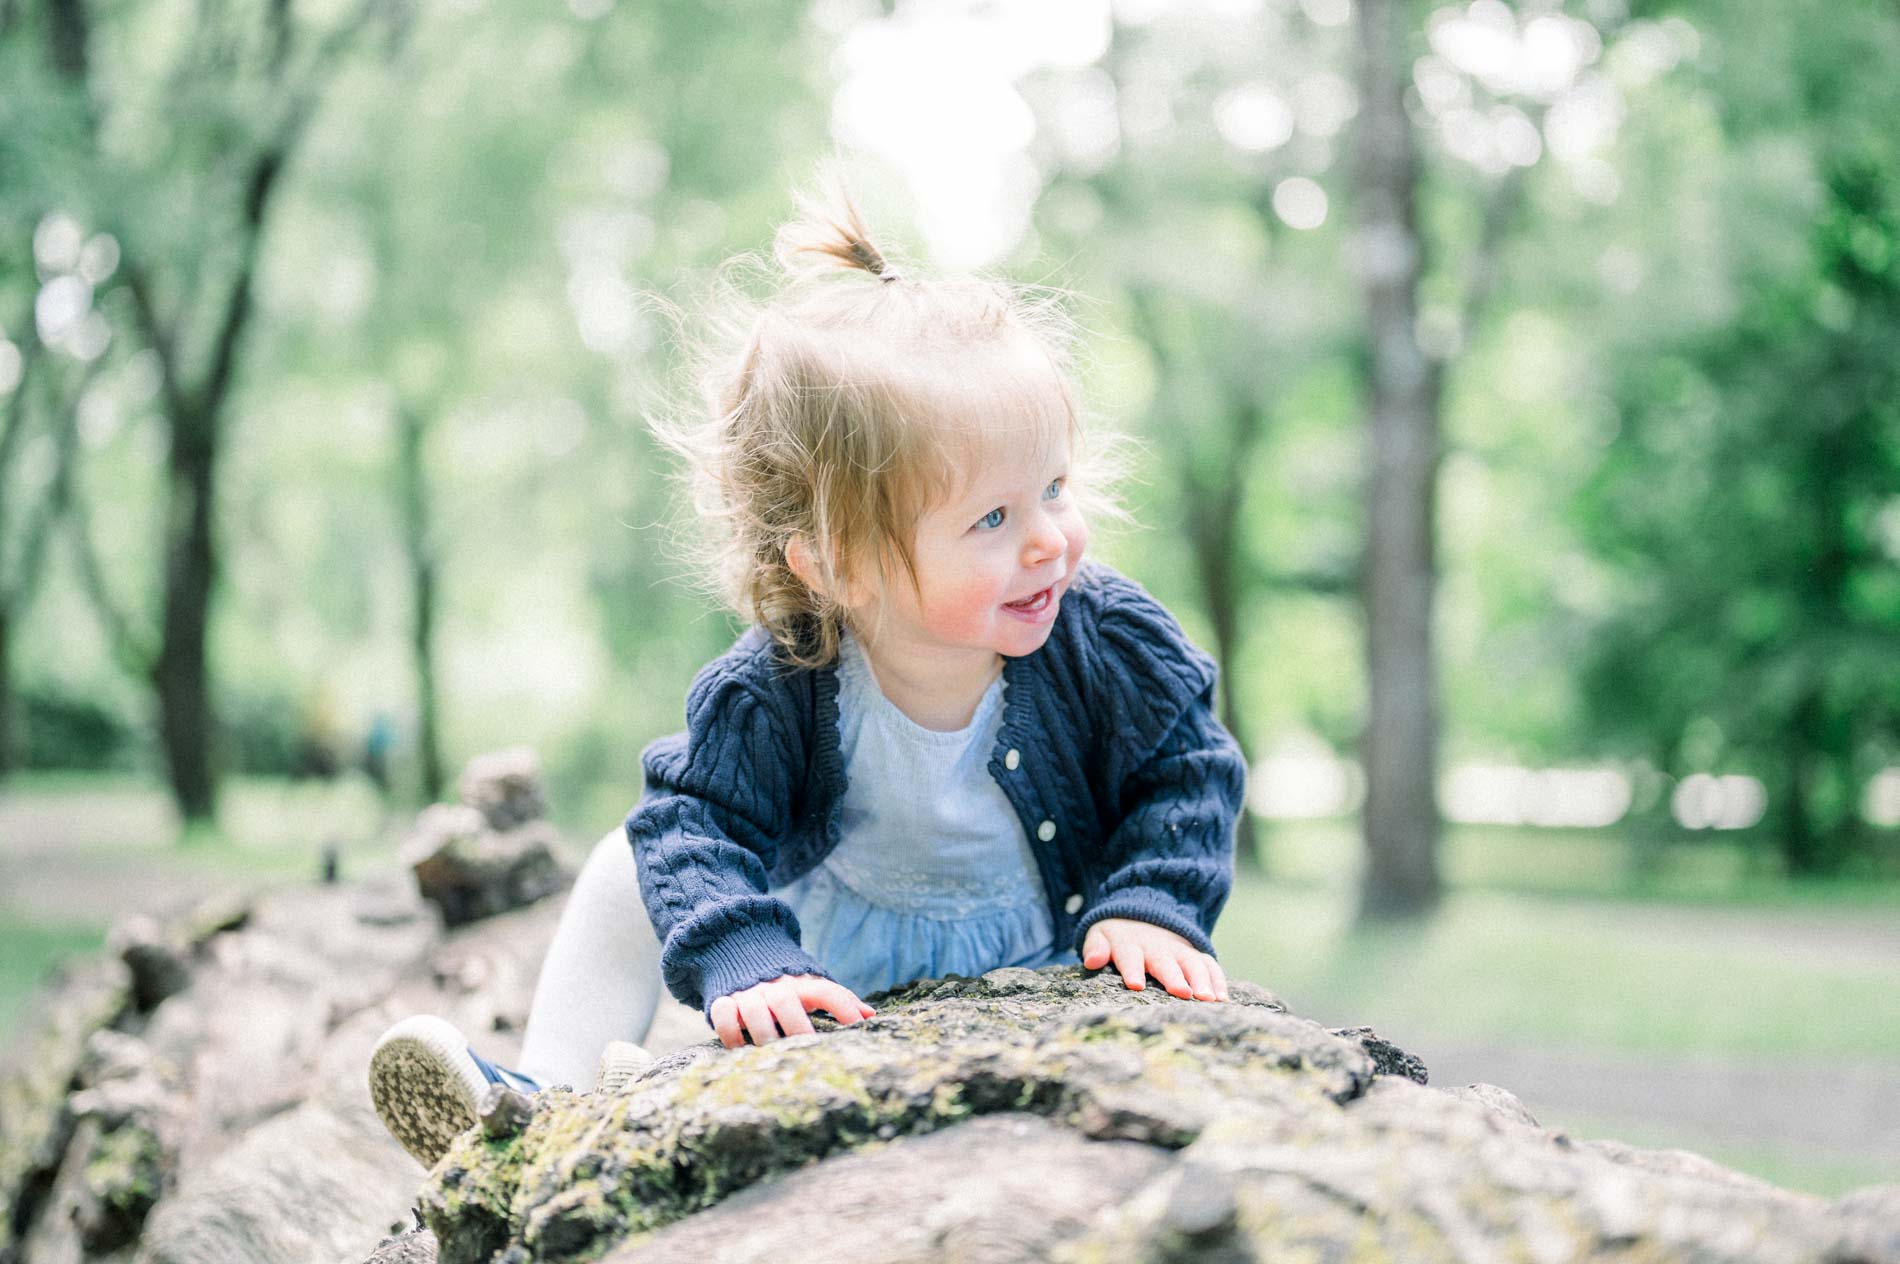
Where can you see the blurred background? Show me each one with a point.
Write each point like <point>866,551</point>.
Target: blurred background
<point>1520,402</point>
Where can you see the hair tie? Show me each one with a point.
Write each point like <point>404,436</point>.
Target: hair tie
<point>889,274</point>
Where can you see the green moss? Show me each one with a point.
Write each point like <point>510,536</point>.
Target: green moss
<point>40,1064</point>
<point>125,1169</point>
<point>125,1173</point>
<point>585,1172</point>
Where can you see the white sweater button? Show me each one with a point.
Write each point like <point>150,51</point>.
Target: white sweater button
<point>1046,831</point>
<point>1073,904</point>
<point>1012,759</point>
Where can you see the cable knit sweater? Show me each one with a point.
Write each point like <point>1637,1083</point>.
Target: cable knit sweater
<point>1126,785</point>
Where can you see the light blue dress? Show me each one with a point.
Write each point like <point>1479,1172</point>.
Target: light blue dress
<point>932,874</point>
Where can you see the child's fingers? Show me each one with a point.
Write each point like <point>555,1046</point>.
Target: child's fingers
<point>789,1008</point>
<point>1199,977</point>
<point>1168,970</point>
<point>758,1016</point>
<point>838,1001</point>
<point>1129,963</point>
<point>725,1021</point>
<point>1220,978</point>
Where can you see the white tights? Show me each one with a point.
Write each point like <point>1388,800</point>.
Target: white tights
<point>601,978</point>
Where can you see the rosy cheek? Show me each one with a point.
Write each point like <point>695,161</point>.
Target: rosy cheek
<point>970,603</point>
<point>1078,533</point>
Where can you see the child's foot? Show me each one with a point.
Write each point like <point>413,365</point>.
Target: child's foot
<point>426,1084</point>
<point>622,1061</point>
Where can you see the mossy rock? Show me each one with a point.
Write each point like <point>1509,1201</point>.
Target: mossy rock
<point>1054,1114</point>
<point>37,1068</point>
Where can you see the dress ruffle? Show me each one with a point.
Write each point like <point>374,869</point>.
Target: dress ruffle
<point>870,948</point>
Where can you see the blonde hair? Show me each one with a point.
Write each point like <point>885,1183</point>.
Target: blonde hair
<point>842,408</point>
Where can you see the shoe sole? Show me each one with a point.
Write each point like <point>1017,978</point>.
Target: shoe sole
<point>425,1086</point>
<point>620,1064</point>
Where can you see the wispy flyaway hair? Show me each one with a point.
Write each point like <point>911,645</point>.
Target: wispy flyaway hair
<point>858,396</point>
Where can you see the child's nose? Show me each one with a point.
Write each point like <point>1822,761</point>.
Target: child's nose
<point>1046,539</point>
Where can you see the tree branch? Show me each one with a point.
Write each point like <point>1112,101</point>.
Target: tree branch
<point>266,168</point>
<point>70,35</point>
<point>133,650</point>
<point>157,336</point>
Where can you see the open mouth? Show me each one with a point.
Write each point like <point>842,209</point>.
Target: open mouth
<point>1034,602</point>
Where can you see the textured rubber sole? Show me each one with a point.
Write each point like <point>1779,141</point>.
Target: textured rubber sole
<point>619,1064</point>
<point>425,1086</point>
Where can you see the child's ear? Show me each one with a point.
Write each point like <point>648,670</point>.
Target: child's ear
<point>800,557</point>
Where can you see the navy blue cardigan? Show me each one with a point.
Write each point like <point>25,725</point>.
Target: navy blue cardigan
<point>1127,786</point>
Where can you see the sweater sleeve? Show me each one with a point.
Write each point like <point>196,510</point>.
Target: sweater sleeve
<point>705,837</point>
<point>1176,775</point>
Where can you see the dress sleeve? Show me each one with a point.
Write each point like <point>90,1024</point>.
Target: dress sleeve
<point>1176,776</point>
<point>705,836</point>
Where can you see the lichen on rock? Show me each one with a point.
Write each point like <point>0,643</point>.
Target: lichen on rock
<point>1054,1114</point>
<point>1062,1043</point>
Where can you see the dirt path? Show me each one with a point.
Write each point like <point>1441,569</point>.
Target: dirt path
<point>1837,1115</point>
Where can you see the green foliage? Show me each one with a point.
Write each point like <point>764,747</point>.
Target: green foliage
<point>1746,507</point>
<point>59,728</point>
<point>29,951</point>
<point>263,732</point>
<point>1662,515</point>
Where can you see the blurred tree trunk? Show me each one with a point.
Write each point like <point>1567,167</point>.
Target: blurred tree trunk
<point>173,313</point>
<point>1211,489</point>
<point>418,547</point>
<point>1214,526</point>
<point>1400,750</point>
<point>181,673</point>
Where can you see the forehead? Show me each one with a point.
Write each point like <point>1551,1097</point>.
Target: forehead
<point>1000,428</point>
<point>997,461</point>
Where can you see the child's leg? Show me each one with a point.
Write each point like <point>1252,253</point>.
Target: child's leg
<point>601,978</point>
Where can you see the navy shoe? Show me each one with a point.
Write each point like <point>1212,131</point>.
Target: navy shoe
<point>426,1084</point>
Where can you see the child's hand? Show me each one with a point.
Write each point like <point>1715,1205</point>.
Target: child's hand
<point>785,999</point>
<point>1142,948</point>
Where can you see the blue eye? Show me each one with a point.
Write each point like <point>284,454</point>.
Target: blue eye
<point>994,518</point>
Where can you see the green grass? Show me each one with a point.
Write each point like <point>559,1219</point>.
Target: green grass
<point>1692,869</point>
<point>28,953</point>
<point>1573,973</point>
<point>66,836</point>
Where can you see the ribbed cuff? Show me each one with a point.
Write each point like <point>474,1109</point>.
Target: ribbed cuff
<point>752,953</point>
<point>1151,905</point>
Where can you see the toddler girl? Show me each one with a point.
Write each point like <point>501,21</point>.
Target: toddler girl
<point>945,744</point>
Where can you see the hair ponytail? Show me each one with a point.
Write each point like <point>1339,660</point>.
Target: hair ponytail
<point>831,230</point>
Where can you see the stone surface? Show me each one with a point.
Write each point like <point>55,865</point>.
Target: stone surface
<point>491,852</point>
<point>41,1062</point>
<point>505,787</point>
<point>1146,1127</point>
<point>197,1092</point>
